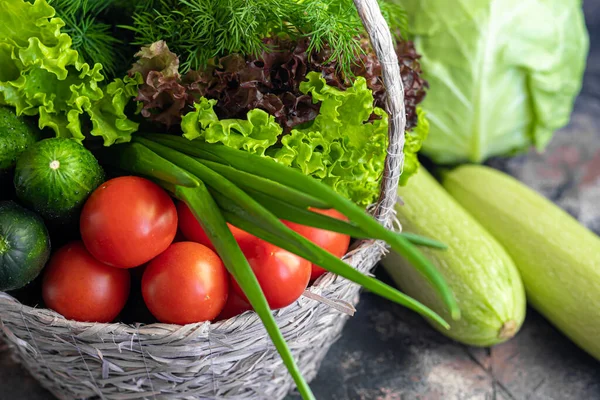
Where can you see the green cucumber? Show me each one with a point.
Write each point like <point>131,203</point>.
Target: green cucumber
<point>24,246</point>
<point>16,135</point>
<point>54,177</point>
<point>558,258</point>
<point>482,276</point>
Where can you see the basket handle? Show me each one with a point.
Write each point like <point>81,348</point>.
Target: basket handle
<point>383,44</point>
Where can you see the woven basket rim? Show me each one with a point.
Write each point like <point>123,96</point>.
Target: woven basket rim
<point>383,210</point>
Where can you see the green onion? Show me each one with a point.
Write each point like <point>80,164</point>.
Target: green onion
<point>419,240</point>
<point>234,200</point>
<point>306,217</point>
<point>212,221</point>
<point>223,201</point>
<point>274,189</point>
<point>137,159</point>
<point>270,169</point>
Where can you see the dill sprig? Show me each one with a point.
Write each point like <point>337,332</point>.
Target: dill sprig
<point>92,38</point>
<point>397,19</point>
<point>201,30</point>
<point>334,23</point>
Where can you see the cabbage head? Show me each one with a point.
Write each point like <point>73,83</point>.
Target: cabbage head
<point>503,74</point>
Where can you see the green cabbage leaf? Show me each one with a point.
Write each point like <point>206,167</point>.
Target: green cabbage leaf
<point>503,75</point>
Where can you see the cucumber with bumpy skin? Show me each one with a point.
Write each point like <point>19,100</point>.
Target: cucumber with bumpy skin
<point>24,246</point>
<point>482,276</point>
<point>558,258</point>
<point>55,176</point>
<point>16,135</point>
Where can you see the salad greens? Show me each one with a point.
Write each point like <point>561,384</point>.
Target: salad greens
<point>330,131</point>
<point>503,74</point>
<point>200,30</point>
<point>340,147</point>
<point>413,142</point>
<point>41,74</point>
<point>91,36</point>
<point>255,134</point>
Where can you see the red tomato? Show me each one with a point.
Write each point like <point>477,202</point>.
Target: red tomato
<point>283,276</point>
<point>187,283</point>
<point>128,221</point>
<point>192,230</point>
<point>335,243</point>
<point>235,305</point>
<point>82,288</point>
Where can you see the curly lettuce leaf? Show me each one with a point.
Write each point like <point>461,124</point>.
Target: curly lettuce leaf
<point>41,74</point>
<point>165,95</point>
<point>156,57</point>
<point>503,74</point>
<point>255,134</point>
<point>342,146</point>
<point>413,141</point>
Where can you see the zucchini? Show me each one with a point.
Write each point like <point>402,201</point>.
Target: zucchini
<point>558,258</point>
<point>482,276</point>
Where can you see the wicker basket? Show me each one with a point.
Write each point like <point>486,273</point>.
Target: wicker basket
<point>232,359</point>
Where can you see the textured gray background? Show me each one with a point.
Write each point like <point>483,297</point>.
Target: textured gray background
<point>388,353</point>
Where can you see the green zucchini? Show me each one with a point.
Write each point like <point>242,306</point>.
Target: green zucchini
<point>482,276</point>
<point>558,258</point>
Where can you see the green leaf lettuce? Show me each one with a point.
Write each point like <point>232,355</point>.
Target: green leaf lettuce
<point>413,141</point>
<point>41,74</point>
<point>342,147</point>
<point>254,134</point>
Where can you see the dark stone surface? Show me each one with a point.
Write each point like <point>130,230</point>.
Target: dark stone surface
<point>389,353</point>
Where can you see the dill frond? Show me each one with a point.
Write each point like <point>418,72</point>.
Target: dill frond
<point>91,37</point>
<point>397,19</point>
<point>200,30</point>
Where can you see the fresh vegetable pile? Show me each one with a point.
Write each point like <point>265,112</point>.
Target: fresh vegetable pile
<point>195,160</point>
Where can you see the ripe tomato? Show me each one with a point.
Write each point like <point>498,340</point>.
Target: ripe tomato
<point>235,305</point>
<point>335,243</point>
<point>128,221</point>
<point>82,288</point>
<point>283,276</point>
<point>192,230</point>
<point>187,283</point>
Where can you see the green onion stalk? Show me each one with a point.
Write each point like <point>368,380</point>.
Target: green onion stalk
<point>222,185</point>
